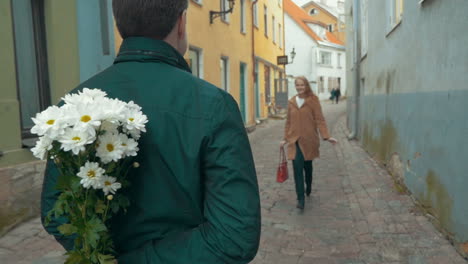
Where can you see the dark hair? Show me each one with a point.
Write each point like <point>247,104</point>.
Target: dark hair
<point>147,18</point>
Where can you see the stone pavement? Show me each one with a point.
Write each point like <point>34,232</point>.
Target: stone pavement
<point>354,216</point>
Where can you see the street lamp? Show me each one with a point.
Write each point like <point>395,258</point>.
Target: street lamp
<point>215,14</point>
<point>293,54</point>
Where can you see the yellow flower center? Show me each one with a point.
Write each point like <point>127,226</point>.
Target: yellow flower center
<point>131,119</point>
<point>123,144</point>
<point>85,118</point>
<point>110,147</point>
<point>91,174</point>
<point>76,138</point>
<point>50,122</point>
<point>107,183</point>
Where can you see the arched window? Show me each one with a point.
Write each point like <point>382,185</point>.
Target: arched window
<point>313,11</point>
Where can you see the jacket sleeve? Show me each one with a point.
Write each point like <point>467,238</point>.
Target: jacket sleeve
<point>287,125</point>
<point>48,198</point>
<point>231,232</point>
<point>320,122</point>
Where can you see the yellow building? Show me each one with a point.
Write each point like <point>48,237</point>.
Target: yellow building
<point>270,85</point>
<point>221,50</point>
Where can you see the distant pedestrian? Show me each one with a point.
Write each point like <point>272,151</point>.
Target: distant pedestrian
<point>332,95</point>
<point>337,94</point>
<point>303,124</point>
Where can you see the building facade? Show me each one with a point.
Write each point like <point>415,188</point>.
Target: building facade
<point>320,55</point>
<point>407,73</point>
<point>238,51</point>
<point>48,47</point>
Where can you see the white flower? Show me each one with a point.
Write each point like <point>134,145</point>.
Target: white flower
<point>132,106</point>
<point>136,134</point>
<point>49,122</point>
<point>129,145</point>
<point>109,185</point>
<point>110,148</point>
<point>91,175</point>
<point>75,140</point>
<point>135,120</point>
<point>113,110</point>
<point>85,116</point>
<point>43,145</point>
<point>85,96</point>
<point>110,127</point>
<point>93,93</point>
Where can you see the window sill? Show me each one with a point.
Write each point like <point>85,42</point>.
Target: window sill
<point>244,33</point>
<point>325,65</point>
<point>225,21</point>
<point>394,27</point>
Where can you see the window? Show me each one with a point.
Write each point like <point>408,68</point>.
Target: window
<point>338,61</point>
<point>325,58</point>
<point>265,19</point>
<point>273,20</point>
<point>195,61</point>
<point>364,27</point>
<point>224,6</point>
<point>224,65</point>
<point>394,13</point>
<point>242,9</point>
<point>330,28</point>
<point>320,84</point>
<point>313,11</point>
<point>280,36</point>
<point>255,14</point>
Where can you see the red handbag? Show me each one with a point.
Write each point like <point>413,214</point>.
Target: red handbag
<point>282,172</point>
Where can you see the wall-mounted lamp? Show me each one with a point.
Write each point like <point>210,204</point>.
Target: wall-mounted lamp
<point>215,14</point>
<point>293,54</point>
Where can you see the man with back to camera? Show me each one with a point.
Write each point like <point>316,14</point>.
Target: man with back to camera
<point>194,198</point>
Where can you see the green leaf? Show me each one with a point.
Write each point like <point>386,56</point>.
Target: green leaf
<point>92,229</point>
<point>106,259</point>
<point>100,207</point>
<point>67,229</point>
<point>74,257</point>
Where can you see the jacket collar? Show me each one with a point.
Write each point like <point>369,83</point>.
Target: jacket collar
<point>294,101</point>
<point>147,49</point>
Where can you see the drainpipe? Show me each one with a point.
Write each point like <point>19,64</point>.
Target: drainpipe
<point>253,58</point>
<point>357,65</point>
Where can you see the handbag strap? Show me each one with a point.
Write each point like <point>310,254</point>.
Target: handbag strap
<point>282,155</point>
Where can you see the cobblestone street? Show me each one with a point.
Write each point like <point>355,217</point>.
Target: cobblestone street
<point>354,215</point>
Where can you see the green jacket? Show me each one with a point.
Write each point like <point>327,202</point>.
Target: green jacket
<point>195,197</point>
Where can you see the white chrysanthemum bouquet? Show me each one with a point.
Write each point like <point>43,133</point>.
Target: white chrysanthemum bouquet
<point>91,139</point>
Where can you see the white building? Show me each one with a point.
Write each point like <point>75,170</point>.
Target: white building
<point>320,56</point>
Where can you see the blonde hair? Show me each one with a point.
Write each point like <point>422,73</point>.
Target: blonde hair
<point>308,91</point>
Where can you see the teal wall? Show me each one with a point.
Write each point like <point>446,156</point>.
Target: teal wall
<point>429,132</point>
<point>95,37</point>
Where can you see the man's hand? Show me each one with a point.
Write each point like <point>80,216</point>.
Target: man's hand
<point>332,140</point>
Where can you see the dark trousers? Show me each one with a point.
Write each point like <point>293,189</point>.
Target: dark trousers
<point>300,166</point>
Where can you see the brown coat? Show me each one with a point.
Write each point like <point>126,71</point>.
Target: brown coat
<point>303,125</point>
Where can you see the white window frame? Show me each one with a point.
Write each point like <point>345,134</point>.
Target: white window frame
<point>280,35</point>
<point>322,60</point>
<point>199,53</point>
<point>224,6</point>
<point>394,14</point>
<point>255,14</point>
<point>243,19</point>
<point>338,60</point>
<point>364,27</point>
<point>265,19</point>
<point>224,64</point>
<point>273,33</point>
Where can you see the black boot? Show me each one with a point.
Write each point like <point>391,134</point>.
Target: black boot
<point>300,204</point>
